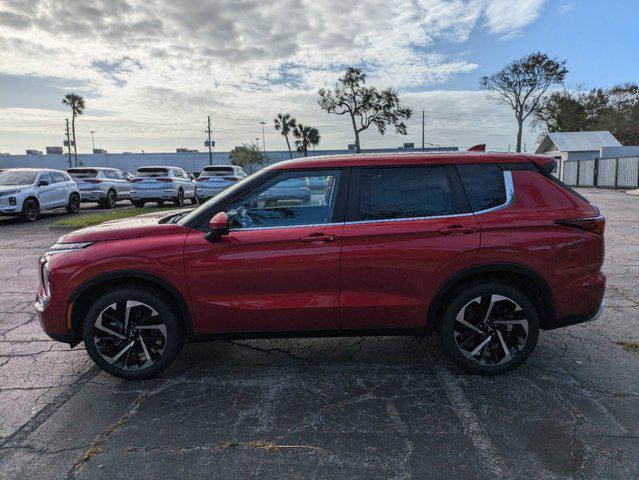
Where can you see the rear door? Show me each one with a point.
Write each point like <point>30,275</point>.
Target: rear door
<point>408,229</point>
<point>62,188</point>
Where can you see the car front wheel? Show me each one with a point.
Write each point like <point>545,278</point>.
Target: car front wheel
<point>132,333</point>
<point>489,328</point>
<point>30,210</point>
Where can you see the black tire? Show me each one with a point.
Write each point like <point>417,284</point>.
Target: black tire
<point>111,200</point>
<point>194,200</point>
<point>73,206</point>
<point>138,203</point>
<point>162,345</point>
<point>518,338</point>
<point>160,203</point>
<point>30,210</point>
<point>179,200</point>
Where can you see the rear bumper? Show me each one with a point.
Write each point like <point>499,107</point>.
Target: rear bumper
<point>153,195</point>
<point>206,193</point>
<point>92,195</point>
<point>567,321</point>
<point>586,302</point>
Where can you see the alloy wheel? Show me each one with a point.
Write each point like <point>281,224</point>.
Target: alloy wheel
<point>491,330</point>
<point>130,335</point>
<point>32,211</point>
<point>111,200</point>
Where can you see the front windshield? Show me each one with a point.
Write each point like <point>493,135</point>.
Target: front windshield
<point>17,178</point>
<point>221,196</point>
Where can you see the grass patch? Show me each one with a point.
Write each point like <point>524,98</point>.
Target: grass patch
<point>629,346</point>
<point>88,220</point>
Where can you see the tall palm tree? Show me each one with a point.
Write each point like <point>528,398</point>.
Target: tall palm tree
<point>76,102</point>
<point>306,136</point>
<point>284,124</point>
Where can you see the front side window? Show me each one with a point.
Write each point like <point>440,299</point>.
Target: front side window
<point>59,177</point>
<point>291,199</point>
<point>404,192</point>
<point>484,185</point>
<point>45,177</point>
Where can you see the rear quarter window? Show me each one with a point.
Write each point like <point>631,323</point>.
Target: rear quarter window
<point>484,185</point>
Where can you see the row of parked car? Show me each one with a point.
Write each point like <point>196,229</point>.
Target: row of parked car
<point>28,191</point>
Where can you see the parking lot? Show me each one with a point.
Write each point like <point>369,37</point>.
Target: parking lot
<point>375,407</point>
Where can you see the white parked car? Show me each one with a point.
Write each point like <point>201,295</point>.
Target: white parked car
<point>28,191</point>
<point>216,178</point>
<point>161,184</point>
<point>102,185</point>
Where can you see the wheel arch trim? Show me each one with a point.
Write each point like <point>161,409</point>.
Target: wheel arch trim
<point>135,275</point>
<point>487,269</point>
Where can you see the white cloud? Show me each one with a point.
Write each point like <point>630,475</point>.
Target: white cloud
<point>159,67</point>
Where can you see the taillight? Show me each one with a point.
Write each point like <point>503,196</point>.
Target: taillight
<point>165,180</point>
<point>594,225</point>
<point>230,179</point>
<point>201,179</point>
<point>92,180</point>
<point>135,180</point>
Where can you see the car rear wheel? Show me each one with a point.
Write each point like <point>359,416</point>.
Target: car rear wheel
<point>111,200</point>
<point>30,210</point>
<point>194,200</point>
<point>132,333</point>
<point>74,203</point>
<point>489,328</point>
<point>138,203</point>
<point>179,201</point>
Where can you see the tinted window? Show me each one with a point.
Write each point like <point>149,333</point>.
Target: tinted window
<point>59,177</point>
<point>404,192</point>
<point>82,173</point>
<point>152,172</point>
<point>287,201</point>
<point>217,171</point>
<point>484,185</point>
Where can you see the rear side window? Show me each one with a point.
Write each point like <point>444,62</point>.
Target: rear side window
<point>484,185</point>
<point>404,192</point>
<point>59,177</point>
<point>111,174</point>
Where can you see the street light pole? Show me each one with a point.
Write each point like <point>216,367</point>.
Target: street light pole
<point>92,139</point>
<point>263,138</point>
<point>208,130</point>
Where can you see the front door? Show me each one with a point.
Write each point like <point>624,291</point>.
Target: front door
<point>47,195</point>
<point>278,269</point>
<point>409,230</point>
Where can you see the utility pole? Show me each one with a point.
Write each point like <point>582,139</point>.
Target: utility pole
<point>263,137</point>
<point>423,127</point>
<point>69,143</point>
<point>92,139</point>
<point>208,130</point>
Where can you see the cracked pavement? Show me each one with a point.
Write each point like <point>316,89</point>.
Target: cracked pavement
<point>376,407</point>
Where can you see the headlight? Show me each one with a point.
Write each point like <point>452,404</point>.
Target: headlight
<point>10,192</point>
<point>67,247</point>
<point>44,272</point>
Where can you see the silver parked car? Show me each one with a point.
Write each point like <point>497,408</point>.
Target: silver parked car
<point>101,184</point>
<point>161,184</point>
<point>28,191</point>
<point>215,178</point>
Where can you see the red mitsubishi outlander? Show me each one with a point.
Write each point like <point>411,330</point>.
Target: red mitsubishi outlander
<point>484,249</point>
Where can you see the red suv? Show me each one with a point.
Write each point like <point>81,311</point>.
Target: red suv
<point>484,249</point>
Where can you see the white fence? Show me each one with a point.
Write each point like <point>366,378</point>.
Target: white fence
<point>620,172</point>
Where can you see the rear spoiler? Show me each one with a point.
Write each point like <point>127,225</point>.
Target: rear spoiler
<point>545,165</point>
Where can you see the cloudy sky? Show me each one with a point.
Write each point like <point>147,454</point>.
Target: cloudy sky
<point>152,70</point>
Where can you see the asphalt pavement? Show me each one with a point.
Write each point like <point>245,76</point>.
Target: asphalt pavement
<point>380,407</point>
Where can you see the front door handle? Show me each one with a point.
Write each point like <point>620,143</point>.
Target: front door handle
<point>319,238</point>
<point>456,229</point>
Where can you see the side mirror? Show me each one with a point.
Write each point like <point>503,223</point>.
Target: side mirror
<point>218,227</point>
<point>43,183</point>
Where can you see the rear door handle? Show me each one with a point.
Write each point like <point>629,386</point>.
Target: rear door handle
<point>456,229</point>
<point>318,237</point>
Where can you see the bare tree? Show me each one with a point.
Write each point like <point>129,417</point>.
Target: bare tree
<point>365,105</point>
<point>523,83</point>
<point>76,102</point>
<point>285,124</point>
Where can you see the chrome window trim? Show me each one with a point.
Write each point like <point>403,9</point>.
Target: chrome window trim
<point>510,197</point>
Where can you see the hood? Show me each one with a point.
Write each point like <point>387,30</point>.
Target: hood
<point>9,188</point>
<point>121,229</point>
